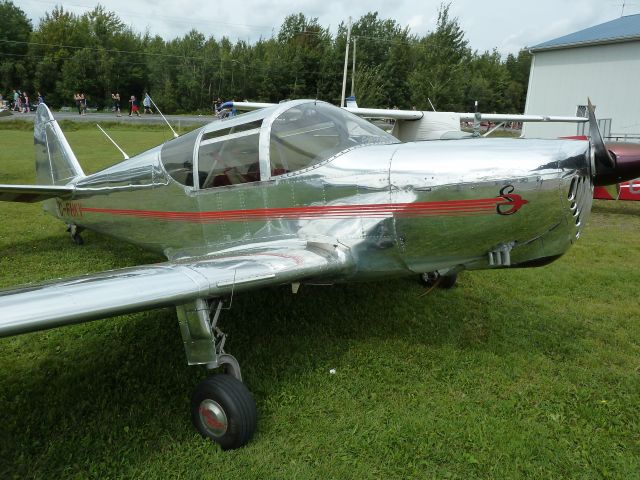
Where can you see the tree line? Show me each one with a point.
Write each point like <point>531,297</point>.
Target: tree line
<point>96,53</point>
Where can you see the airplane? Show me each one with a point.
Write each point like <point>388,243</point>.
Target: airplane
<point>297,193</point>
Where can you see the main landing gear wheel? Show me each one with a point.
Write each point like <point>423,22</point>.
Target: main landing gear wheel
<point>434,279</point>
<point>75,231</point>
<point>223,410</point>
<point>77,239</point>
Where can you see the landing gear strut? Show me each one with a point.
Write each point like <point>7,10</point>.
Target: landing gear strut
<point>222,407</point>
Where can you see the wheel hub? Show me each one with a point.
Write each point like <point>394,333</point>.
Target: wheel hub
<point>213,417</point>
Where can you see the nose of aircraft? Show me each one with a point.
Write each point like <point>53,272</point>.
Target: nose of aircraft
<point>627,164</point>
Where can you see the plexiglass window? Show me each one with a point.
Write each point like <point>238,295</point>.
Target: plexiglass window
<point>177,158</point>
<point>312,132</point>
<point>230,158</point>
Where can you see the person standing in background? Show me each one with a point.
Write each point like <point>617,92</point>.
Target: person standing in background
<point>26,103</point>
<point>116,103</point>
<point>146,102</point>
<point>76,98</point>
<point>18,105</point>
<point>83,104</point>
<point>133,106</point>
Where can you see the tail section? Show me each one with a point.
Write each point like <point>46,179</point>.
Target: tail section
<point>56,166</point>
<point>56,163</point>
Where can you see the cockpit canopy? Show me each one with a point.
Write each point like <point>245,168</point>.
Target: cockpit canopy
<point>275,141</point>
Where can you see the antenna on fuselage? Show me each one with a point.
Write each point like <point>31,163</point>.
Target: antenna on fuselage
<point>477,119</point>
<point>126,157</point>
<point>175,135</point>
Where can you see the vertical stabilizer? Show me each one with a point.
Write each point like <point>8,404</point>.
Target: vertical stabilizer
<point>55,162</point>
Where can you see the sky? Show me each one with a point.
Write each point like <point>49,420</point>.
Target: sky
<point>507,26</point>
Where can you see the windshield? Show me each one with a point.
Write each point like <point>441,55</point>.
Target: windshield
<point>312,132</point>
<point>177,157</point>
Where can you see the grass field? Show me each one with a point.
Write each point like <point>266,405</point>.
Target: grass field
<point>512,374</point>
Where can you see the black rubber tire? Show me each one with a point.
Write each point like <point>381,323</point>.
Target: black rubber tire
<point>238,405</point>
<point>448,281</point>
<point>445,282</point>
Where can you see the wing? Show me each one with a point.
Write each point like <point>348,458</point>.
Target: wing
<point>33,193</point>
<point>248,106</point>
<point>116,292</point>
<point>508,117</point>
<point>392,114</point>
<point>362,112</point>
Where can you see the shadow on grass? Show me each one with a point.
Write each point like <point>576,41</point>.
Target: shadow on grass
<point>617,207</point>
<point>105,396</point>
<point>55,256</point>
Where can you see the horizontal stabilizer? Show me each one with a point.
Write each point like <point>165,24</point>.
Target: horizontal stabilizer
<point>512,117</point>
<point>394,114</point>
<point>247,106</point>
<point>33,193</point>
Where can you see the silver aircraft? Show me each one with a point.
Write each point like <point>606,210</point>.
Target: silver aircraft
<point>300,192</point>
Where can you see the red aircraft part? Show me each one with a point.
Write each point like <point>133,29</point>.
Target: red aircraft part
<point>629,191</point>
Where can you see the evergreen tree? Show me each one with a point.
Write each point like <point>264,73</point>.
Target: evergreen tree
<point>97,54</point>
<point>442,65</point>
<point>14,37</point>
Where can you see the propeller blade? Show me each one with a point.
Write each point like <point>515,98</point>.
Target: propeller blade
<point>603,158</point>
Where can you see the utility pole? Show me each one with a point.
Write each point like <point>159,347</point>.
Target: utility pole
<point>353,69</point>
<point>346,63</point>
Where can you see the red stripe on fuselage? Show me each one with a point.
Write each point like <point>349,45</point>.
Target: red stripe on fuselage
<point>484,206</point>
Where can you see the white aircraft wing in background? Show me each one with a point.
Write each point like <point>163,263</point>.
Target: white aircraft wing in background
<point>416,125</point>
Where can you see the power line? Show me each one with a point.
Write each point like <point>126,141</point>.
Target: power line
<point>60,58</point>
<point>98,49</point>
<point>262,69</point>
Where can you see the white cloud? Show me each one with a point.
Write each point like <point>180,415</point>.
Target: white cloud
<point>506,25</point>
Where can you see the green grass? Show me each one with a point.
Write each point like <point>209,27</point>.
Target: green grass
<point>513,374</point>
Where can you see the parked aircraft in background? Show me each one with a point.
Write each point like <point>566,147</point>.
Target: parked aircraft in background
<point>300,192</point>
<point>629,191</point>
<point>417,125</point>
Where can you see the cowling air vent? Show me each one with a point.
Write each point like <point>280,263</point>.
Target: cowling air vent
<point>580,197</point>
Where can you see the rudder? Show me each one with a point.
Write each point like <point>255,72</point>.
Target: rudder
<point>56,163</point>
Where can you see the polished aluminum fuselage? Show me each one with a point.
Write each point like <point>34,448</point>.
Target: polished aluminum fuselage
<point>396,209</point>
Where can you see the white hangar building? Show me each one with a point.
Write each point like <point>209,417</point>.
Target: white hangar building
<point>602,63</point>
